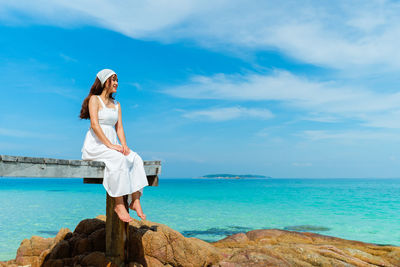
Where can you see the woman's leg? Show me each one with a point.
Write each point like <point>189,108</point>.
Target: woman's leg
<point>135,205</point>
<point>121,210</point>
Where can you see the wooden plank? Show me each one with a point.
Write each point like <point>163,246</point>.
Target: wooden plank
<point>8,158</point>
<point>92,180</point>
<point>22,169</point>
<point>116,234</point>
<point>14,166</point>
<point>30,169</point>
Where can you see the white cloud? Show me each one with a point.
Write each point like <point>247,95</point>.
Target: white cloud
<point>68,58</point>
<point>340,34</point>
<point>138,19</point>
<point>388,119</point>
<point>321,118</point>
<point>230,113</point>
<point>317,135</point>
<point>135,85</point>
<point>331,100</point>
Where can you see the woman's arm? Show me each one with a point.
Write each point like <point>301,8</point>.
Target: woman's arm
<point>94,123</point>
<point>120,132</point>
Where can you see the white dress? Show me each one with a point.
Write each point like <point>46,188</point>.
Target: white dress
<point>123,175</point>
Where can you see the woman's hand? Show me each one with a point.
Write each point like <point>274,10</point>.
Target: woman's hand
<point>126,150</point>
<point>117,147</point>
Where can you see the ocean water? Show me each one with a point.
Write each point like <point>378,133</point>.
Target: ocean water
<point>358,209</point>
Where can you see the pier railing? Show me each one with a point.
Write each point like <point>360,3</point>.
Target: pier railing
<point>91,172</point>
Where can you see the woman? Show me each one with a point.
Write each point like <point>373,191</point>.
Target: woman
<point>124,172</point>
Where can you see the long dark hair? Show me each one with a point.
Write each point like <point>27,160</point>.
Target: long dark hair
<point>96,89</point>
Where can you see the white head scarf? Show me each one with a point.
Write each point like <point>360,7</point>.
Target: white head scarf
<point>103,75</point>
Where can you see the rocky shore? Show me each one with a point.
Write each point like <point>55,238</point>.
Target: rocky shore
<point>155,245</point>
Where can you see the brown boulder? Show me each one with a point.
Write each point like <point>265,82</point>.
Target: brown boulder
<point>240,237</point>
<point>60,251</point>
<point>82,246</point>
<point>135,264</point>
<point>10,263</point>
<point>30,249</point>
<point>153,262</point>
<point>157,245</point>
<point>98,239</point>
<point>88,226</point>
<point>286,248</point>
<point>33,251</point>
<point>77,259</point>
<point>54,263</point>
<point>63,234</point>
<point>168,246</point>
<point>96,258</point>
<point>154,244</point>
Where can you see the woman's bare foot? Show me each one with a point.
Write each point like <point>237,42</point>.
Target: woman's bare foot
<point>122,213</point>
<point>135,205</point>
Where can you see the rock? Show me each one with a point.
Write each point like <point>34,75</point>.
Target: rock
<point>135,264</point>
<point>68,261</point>
<point>63,234</point>
<point>153,262</point>
<point>33,251</point>
<point>60,251</point>
<point>286,248</point>
<point>30,249</point>
<point>54,263</point>
<point>10,263</point>
<point>81,246</point>
<point>98,239</point>
<point>240,237</point>
<point>73,240</point>
<point>77,259</point>
<point>96,258</point>
<point>88,226</point>
<point>227,264</point>
<point>270,235</point>
<point>168,246</point>
<point>156,245</point>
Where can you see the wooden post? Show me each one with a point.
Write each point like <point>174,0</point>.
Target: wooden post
<point>116,234</point>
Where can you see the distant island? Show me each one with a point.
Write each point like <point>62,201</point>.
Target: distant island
<point>234,176</point>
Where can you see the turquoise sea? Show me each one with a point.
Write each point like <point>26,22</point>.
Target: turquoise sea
<point>361,209</point>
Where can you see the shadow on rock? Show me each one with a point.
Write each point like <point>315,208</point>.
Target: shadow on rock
<point>136,251</point>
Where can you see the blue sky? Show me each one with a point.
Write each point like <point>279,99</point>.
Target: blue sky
<point>296,90</point>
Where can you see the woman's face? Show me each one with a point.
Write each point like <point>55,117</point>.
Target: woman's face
<point>112,84</point>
